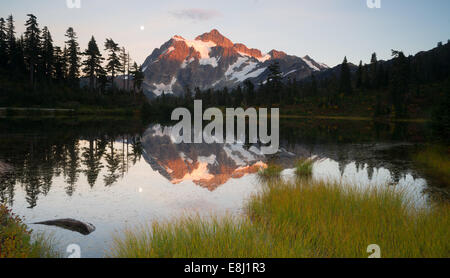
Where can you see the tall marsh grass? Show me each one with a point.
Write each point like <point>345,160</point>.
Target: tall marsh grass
<point>303,220</point>
<point>436,161</point>
<point>272,172</point>
<point>304,168</point>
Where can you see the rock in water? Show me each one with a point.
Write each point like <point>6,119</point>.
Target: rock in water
<point>70,224</point>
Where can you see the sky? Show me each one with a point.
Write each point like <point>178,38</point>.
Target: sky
<point>326,30</point>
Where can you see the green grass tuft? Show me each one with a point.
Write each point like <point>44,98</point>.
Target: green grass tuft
<point>436,162</point>
<point>272,172</point>
<point>304,168</point>
<point>305,219</point>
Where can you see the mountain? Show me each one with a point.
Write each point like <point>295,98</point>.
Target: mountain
<point>214,61</point>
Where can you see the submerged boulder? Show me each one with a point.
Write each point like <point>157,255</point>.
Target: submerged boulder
<point>70,224</point>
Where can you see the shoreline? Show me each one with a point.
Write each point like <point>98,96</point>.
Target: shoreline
<point>24,112</point>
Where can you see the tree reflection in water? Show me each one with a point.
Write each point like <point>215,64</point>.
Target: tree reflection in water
<point>38,157</point>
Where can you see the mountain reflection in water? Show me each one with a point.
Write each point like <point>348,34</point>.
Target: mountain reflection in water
<point>103,157</point>
<point>207,165</point>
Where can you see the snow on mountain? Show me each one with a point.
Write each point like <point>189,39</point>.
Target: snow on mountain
<point>313,64</point>
<point>213,61</point>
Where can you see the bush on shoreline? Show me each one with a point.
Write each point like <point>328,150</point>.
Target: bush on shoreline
<point>16,240</point>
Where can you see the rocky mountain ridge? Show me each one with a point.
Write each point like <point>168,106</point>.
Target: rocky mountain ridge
<point>213,61</point>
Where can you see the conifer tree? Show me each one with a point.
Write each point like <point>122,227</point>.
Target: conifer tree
<point>59,64</point>
<point>274,82</point>
<point>14,51</point>
<point>92,66</point>
<point>114,64</point>
<point>373,69</point>
<point>73,57</point>
<point>138,77</point>
<point>249,88</point>
<point>3,55</point>
<point>32,46</point>
<point>345,82</point>
<point>48,52</point>
<point>399,82</point>
<point>18,62</point>
<point>314,88</point>
<point>359,76</point>
<point>128,71</point>
<point>274,74</point>
<point>123,56</point>
<point>10,38</point>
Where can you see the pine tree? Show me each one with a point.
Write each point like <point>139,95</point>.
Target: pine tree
<point>359,76</point>
<point>138,77</point>
<point>114,64</point>
<point>314,89</point>
<point>123,56</point>
<point>274,74</point>
<point>18,62</point>
<point>399,82</point>
<point>373,69</point>
<point>92,66</point>
<point>10,38</point>
<point>73,57</point>
<point>48,54</point>
<point>14,51</point>
<point>249,92</point>
<point>380,78</point>
<point>32,46</point>
<point>345,82</point>
<point>3,55</point>
<point>274,82</point>
<point>59,64</point>
<point>128,71</point>
<point>65,59</point>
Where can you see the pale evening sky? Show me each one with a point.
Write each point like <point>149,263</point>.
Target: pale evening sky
<point>327,30</point>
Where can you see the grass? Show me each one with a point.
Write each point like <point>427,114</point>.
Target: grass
<point>272,172</point>
<point>307,219</point>
<point>436,162</point>
<point>17,241</point>
<point>304,168</point>
<point>194,237</point>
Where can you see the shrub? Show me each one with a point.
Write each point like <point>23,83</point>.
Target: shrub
<point>16,239</point>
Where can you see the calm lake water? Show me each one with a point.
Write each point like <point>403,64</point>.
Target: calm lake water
<point>117,174</point>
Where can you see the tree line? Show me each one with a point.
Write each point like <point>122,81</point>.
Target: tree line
<point>396,86</point>
<point>31,61</point>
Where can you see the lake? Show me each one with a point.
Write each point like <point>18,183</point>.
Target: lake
<point>120,173</point>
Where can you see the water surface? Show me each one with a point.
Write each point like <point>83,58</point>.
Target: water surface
<point>120,173</point>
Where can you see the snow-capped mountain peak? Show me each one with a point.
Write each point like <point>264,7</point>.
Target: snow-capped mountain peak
<point>213,61</point>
